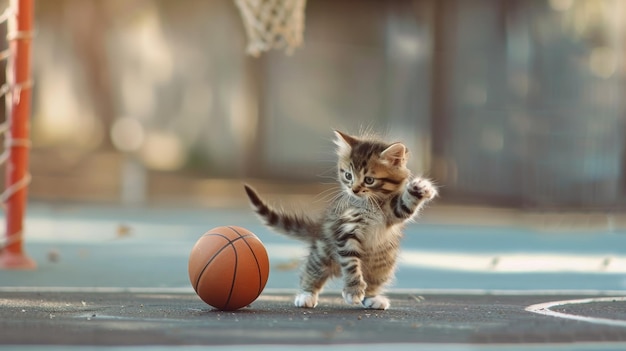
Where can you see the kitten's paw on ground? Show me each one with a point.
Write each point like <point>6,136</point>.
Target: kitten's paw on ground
<point>378,302</point>
<point>422,188</point>
<point>306,300</point>
<point>353,296</point>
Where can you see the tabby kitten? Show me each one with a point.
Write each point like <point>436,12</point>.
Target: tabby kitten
<point>358,237</point>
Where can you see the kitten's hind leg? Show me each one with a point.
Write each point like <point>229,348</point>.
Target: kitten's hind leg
<point>376,281</point>
<point>373,298</point>
<point>316,272</point>
<point>378,302</point>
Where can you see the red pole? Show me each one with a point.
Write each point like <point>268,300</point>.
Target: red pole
<point>12,255</point>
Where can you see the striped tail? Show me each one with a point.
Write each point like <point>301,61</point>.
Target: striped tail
<point>297,226</point>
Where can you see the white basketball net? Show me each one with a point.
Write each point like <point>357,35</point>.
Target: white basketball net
<point>11,91</point>
<point>272,24</point>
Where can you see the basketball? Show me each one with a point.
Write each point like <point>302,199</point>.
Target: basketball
<point>228,267</point>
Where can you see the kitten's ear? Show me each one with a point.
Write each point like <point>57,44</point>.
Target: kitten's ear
<point>396,154</point>
<point>344,143</point>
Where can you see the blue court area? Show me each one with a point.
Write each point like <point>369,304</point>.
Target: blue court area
<point>100,246</point>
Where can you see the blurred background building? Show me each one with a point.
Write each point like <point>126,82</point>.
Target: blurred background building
<point>503,102</point>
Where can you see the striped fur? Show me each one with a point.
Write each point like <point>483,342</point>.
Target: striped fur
<point>358,236</point>
<point>296,226</point>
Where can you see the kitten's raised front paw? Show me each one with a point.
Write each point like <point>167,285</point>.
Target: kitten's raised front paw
<point>353,296</point>
<point>378,302</point>
<point>306,300</point>
<point>422,188</point>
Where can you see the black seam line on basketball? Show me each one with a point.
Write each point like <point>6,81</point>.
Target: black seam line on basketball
<point>232,285</point>
<point>195,287</point>
<point>258,267</point>
<point>214,255</point>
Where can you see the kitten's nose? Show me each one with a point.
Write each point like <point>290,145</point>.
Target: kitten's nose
<point>356,190</point>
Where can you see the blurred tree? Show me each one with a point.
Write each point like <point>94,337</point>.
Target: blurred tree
<point>88,23</point>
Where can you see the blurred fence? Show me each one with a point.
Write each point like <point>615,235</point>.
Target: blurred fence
<point>502,101</point>
<point>532,106</point>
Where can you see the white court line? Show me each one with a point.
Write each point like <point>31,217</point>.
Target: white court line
<point>544,308</point>
<point>488,262</point>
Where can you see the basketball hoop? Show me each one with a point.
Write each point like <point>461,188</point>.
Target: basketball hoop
<point>272,24</point>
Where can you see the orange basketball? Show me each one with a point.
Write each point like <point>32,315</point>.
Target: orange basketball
<point>228,267</point>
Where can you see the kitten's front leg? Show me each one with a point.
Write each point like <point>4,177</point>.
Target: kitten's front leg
<point>421,189</point>
<point>417,192</point>
<point>349,251</point>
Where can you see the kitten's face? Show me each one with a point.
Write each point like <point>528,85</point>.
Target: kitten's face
<point>370,168</point>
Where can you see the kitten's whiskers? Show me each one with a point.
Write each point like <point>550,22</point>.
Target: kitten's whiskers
<point>329,195</point>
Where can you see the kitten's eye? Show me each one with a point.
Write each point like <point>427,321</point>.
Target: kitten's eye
<point>347,175</point>
<point>368,180</point>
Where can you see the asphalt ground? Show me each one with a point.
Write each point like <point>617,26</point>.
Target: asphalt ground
<point>179,318</point>
<point>116,278</point>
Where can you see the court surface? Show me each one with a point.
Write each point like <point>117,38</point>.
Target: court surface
<point>113,277</point>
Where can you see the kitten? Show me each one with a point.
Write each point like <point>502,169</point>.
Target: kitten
<point>358,237</point>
